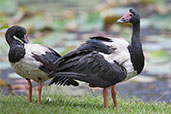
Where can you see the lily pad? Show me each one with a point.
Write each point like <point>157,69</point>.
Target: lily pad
<point>8,6</point>
<point>35,23</point>
<point>89,22</point>
<point>161,21</point>
<point>160,55</point>
<point>54,38</point>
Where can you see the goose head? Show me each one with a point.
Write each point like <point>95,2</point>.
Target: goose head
<point>131,17</point>
<point>18,32</point>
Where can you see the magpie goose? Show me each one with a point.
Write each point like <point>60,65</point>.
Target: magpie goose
<point>31,61</point>
<point>104,61</point>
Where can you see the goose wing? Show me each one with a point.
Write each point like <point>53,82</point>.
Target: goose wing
<point>47,56</point>
<point>89,65</point>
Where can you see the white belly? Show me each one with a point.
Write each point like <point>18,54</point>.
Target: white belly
<point>28,67</point>
<point>29,71</point>
<point>121,56</point>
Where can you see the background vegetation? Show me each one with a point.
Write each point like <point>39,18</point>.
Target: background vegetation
<point>64,25</point>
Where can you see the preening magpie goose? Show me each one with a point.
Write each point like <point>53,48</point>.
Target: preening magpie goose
<point>31,61</point>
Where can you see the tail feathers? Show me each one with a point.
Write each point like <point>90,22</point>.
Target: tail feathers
<point>65,78</point>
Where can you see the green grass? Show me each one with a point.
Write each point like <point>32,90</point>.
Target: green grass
<point>62,104</point>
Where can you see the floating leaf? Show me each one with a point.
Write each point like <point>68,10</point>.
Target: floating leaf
<point>90,21</point>
<point>3,27</point>
<point>8,6</point>
<point>35,23</point>
<point>159,56</point>
<point>148,1</point>
<point>57,24</point>
<point>161,21</point>
<point>54,38</point>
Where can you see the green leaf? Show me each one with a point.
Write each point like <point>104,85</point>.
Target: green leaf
<point>148,1</point>
<point>87,22</point>
<point>3,27</point>
<point>8,6</point>
<point>54,38</point>
<point>159,56</point>
<point>161,21</point>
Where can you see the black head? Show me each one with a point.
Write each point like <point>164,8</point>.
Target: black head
<point>17,31</point>
<point>131,17</point>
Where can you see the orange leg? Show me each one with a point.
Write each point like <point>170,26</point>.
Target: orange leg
<point>113,92</point>
<point>105,97</point>
<point>39,92</point>
<point>30,91</point>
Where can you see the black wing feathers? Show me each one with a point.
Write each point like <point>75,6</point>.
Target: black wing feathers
<point>98,72</point>
<point>60,80</point>
<point>88,61</point>
<point>47,66</point>
<point>47,61</point>
<point>73,54</point>
<point>54,52</point>
<point>96,45</point>
<point>101,38</point>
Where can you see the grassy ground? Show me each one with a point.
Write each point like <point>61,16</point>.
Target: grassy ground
<point>62,104</point>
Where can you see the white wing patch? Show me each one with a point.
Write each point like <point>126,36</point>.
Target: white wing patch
<point>36,49</point>
<point>28,67</point>
<point>121,55</point>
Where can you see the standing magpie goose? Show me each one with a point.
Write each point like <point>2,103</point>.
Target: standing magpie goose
<point>31,61</point>
<point>103,62</point>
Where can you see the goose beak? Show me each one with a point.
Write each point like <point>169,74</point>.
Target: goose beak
<point>121,20</point>
<point>26,39</point>
<point>125,18</point>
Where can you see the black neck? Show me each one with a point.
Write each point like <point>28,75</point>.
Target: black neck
<point>136,51</point>
<point>136,35</point>
<point>17,50</point>
<point>9,38</point>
